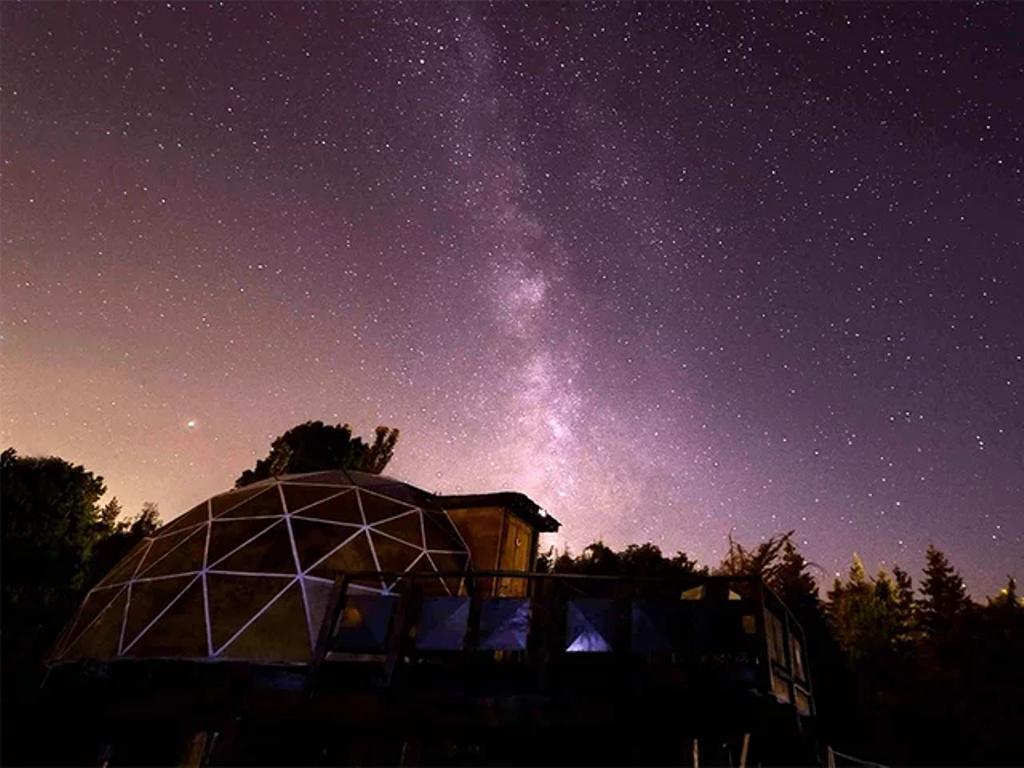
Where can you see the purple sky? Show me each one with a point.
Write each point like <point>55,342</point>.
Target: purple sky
<point>672,270</point>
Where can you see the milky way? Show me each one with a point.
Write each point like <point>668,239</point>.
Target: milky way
<point>672,270</point>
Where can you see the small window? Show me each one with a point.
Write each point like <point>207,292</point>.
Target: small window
<point>696,593</point>
<point>798,659</point>
<point>776,636</point>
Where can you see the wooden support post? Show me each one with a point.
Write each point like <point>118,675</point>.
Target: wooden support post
<point>198,752</point>
<point>745,750</point>
<point>696,753</point>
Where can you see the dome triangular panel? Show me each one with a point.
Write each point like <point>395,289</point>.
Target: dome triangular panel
<point>186,557</point>
<point>270,552</point>
<point>181,631</point>
<point>314,540</point>
<point>340,508</point>
<point>94,604</point>
<point>396,555</point>
<point>160,546</point>
<point>299,497</point>
<point>147,599</point>
<point>230,534</point>
<point>198,514</point>
<point>280,633</point>
<point>227,501</point>
<point>100,638</point>
<point>355,555</point>
<point>407,528</point>
<point>440,532</point>
<point>234,600</point>
<point>124,570</point>
<point>376,508</point>
<point>264,504</point>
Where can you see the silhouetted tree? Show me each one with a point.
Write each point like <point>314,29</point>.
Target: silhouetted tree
<point>1007,597</point>
<point>379,453</point>
<point>51,523</point>
<point>315,446</point>
<point>121,536</point>
<point>944,601</point>
<point>765,560</point>
<point>905,609</point>
<point>635,560</point>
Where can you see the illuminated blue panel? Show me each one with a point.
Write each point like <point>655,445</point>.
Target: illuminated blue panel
<point>443,622</point>
<point>652,623</point>
<point>589,625</point>
<point>504,624</point>
<point>365,623</point>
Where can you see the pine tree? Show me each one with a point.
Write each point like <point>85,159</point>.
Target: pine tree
<point>1007,597</point>
<point>945,602</point>
<point>906,609</point>
<point>793,579</point>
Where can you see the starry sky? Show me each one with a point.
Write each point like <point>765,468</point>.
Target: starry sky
<point>672,270</point>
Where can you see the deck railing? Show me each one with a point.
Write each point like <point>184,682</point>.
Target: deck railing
<point>733,624</point>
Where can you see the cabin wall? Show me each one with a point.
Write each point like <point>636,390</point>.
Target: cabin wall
<point>497,540</point>
<point>482,529</point>
<point>516,551</point>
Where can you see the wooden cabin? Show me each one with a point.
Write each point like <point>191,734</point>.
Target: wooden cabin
<point>502,531</point>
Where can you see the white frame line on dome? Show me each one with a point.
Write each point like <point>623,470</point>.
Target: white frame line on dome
<point>298,566</point>
<point>246,517</point>
<point>255,616</point>
<point>332,551</point>
<point>159,616</point>
<point>236,506</point>
<point>324,500</point>
<point>325,580</point>
<point>468,552</point>
<point>64,640</point>
<point>277,520</point>
<point>150,567</point>
<point>304,484</point>
<point>75,638</point>
<point>206,568</point>
<point>407,569</point>
<point>326,522</point>
<point>369,541</point>
<point>143,550</point>
<point>392,499</point>
<point>146,579</point>
<point>176,531</point>
<point>400,541</point>
<point>396,517</point>
<point>128,600</point>
<point>252,574</point>
<point>436,569</point>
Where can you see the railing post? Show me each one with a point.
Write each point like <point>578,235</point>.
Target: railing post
<point>335,606</point>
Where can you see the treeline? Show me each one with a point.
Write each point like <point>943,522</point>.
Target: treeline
<point>903,674</point>
<point>58,540</point>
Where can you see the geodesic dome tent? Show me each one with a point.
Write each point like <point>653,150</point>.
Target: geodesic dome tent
<point>247,574</point>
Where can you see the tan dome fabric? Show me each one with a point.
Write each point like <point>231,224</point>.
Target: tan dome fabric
<point>247,574</point>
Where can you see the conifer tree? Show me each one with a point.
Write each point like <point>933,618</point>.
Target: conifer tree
<point>945,601</point>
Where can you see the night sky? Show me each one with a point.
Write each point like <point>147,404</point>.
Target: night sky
<point>671,270</point>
